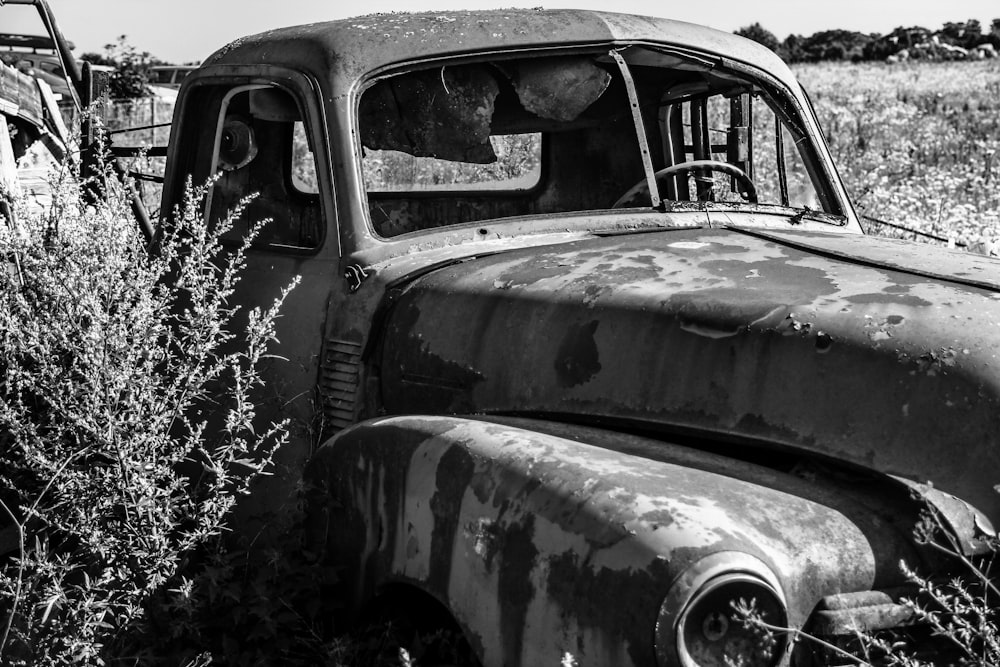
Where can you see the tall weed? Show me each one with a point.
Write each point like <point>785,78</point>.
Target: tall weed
<point>128,428</point>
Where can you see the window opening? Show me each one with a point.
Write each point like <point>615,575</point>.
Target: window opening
<point>262,149</point>
<point>539,134</point>
<point>518,167</point>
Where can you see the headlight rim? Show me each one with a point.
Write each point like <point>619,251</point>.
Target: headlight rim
<point>695,582</point>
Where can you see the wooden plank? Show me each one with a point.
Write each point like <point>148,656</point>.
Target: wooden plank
<point>8,180</point>
<point>52,109</point>
<point>8,165</point>
<point>19,96</point>
<point>30,175</point>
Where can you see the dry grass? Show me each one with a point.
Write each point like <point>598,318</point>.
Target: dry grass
<point>917,144</point>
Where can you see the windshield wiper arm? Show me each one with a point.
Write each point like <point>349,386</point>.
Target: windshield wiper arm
<point>818,216</point>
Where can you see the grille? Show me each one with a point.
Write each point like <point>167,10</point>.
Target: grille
<point>884,618</point>
<point>916,642</point>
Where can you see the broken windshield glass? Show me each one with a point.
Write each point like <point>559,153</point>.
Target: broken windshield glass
<point>535,135</point>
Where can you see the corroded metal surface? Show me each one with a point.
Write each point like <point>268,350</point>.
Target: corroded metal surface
<point>344,56</point>
<point>722,332</point>
<point>350,48</point>
<point>792,387</point>
<point>546,539</point>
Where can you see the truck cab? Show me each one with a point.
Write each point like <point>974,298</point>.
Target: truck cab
<point>588,344</point>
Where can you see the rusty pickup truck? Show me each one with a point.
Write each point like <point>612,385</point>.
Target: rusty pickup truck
<point>589,344</point>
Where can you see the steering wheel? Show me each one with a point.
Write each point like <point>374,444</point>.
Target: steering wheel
<point>642,187</point>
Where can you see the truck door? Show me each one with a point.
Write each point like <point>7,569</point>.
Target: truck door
<point>261,144</point>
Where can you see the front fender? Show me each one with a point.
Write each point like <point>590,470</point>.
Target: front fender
<point>544,539</point>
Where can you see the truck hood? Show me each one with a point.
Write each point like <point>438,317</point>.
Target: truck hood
<point>832,345</point>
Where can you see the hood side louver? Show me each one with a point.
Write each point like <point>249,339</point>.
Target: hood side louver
<point>339,382</point>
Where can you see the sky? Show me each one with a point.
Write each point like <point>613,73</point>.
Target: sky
<point>181,31</point>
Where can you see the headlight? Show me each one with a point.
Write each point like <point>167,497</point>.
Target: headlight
<point>698,626</point>
<point>709,632</point>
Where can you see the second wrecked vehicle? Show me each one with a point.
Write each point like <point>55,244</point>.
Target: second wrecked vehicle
<point>589,344</point>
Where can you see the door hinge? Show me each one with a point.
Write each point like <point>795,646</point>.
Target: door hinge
<point>355,274</point>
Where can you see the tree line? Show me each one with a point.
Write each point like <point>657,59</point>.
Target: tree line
<point>953,41</point>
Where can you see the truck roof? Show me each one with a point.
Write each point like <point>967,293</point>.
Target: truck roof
<point>349,48</point>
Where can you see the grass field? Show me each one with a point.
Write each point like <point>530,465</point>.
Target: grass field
<point>917,144</point>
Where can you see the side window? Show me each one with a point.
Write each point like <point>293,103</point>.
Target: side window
<point>303,161</point>
<point>262,152</point>
<point>741,130</point>
<point>785,180</point>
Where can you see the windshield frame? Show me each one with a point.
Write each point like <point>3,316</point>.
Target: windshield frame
<point>798,113</point>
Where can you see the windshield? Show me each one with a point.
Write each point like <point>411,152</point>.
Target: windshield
<point>507,137</point>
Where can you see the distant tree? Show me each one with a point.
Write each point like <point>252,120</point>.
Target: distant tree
<point>97,59</point>
<point>791,49</point>
<point>836,45</point>
<point>835,50</point>
<point>760,34</point>
<point>131,74</point>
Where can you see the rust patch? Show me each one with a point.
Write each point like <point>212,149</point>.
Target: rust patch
<point>453,476</point>
<point>518,557</point>
<point>801,283</point>
<point>483,487</point>
<point>936,361</point>
<point>534,269</point>
<point>715,247</point>
<point>577,360</point>
<point>591,293</point>
<point>485,535</point>
<point>894,297</point>
<point>633,598</point>
<point>444,384</point>
<point>619,274</point>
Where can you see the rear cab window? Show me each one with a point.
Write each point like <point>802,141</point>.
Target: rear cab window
<point>262,158</point>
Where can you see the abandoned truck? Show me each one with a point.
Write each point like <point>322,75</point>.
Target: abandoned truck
<point>589,344</point>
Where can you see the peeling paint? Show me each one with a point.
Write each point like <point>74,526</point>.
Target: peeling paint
<point>695,343</point>
<point>579,537</point>
<point>518,555</point>
<point>457,468</point>
<point>633,597</point>
<point>485,536</point>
